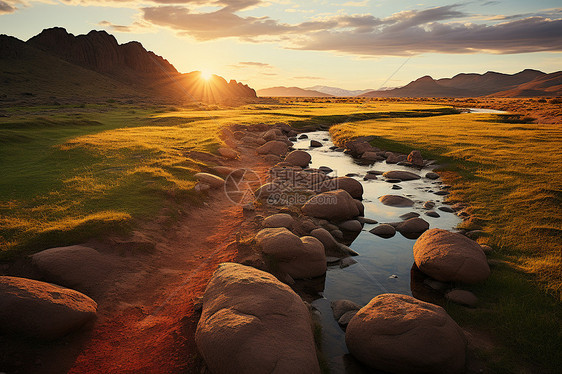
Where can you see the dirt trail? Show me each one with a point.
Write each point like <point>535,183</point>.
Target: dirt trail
<point>147,323</point>
<point>146,316</point>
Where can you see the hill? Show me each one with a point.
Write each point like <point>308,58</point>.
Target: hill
<point>290,92</point>
<point>128,66</point>
<point>28,74</point>
<point>523,84</point>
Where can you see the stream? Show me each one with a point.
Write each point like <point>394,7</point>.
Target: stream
<point>383,265</point>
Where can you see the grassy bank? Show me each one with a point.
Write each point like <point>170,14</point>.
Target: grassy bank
<point>511,176</point>
<point>73,172</point>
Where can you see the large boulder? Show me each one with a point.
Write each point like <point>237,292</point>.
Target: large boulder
<point>401,174</point>
<point>400,334</point>
<point>335,205</point>
<point>38,309</point>
<point>77,267</point>
<point>273,147</point>
<point>299,257</point>
<point>450,257</point>
<point>252,323</point>
<point>298,158</point>
<point>396,200</point>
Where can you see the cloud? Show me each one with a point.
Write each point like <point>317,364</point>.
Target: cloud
<point>531,34</point>
<point>252,64</point>
<point>6,8</point>
<point>308,77</point>
<point>435,30</point>
<point>135,27</point>
<point>356,3</point>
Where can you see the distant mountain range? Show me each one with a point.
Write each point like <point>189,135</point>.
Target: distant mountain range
<point>339,92</point>
<point>527,83</point>
<point>290,92</point>
<point>56,64</point>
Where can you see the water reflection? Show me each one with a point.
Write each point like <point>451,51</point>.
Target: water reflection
<point>383,265</point>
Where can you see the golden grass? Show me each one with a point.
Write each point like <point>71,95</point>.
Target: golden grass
<point>514,184</point>
<point>110,164</point>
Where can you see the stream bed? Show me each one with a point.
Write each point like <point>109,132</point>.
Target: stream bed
<point>383,265</point>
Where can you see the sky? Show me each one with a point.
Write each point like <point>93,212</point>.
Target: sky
<point>366,44</point>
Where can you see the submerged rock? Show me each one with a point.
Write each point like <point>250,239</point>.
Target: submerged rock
<point>253,323</point>
<point>402,175</point>
<point>341,307</point>
<point>413,226</point>
<point>395,200</point>
<point>384,231</point>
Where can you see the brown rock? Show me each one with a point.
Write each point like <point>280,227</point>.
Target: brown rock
<point>335,205</point>
<point>352,186</point>
<point>400,334</point>
<point>299,257</point>
<point>416,158</point>
<point>210,179</point>
<point>273,147</point>
<point>228,153</point>
<point>279,220</point>
<point>298,158</point>
<point>77,267</point>
<point>42,309</point>
<point>340,307</point>
<point>401,174</point>
<point>358,147</point>
<point>384,231</point>
<point>395,200</point>
<point>450,257</point>
<point>413,225</point>
<point>326,238</point>
<point>253,323</point>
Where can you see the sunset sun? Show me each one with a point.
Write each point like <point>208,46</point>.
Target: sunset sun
<point>206,74</point>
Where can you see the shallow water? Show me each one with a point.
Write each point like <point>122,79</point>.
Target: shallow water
<point>484,110</point>
<point>383,265</point>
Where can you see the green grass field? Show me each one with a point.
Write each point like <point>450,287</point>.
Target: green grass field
<point>70,173</point>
